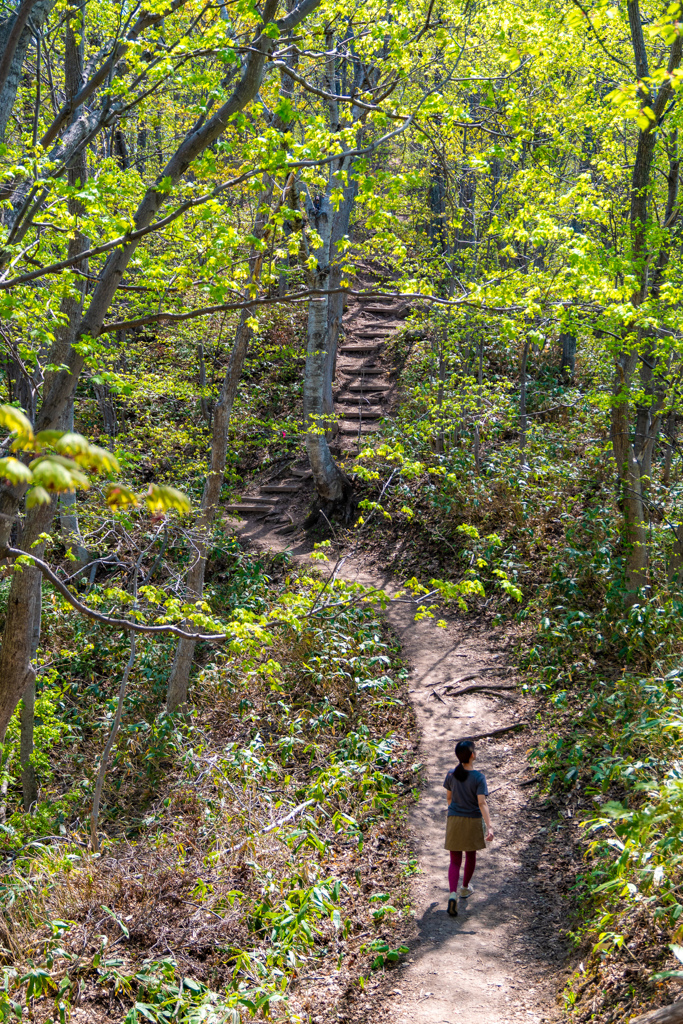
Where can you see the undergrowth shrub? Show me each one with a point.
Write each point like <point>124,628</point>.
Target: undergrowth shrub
<point>247,842</point>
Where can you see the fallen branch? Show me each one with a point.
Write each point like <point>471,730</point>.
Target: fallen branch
<point>276,824</point>
<point>438,696</point>
<point>530,782</point>
<point>672,1014</point>
<point>200,907</point>
<point>500,732</point>
<point>463,679</point>
<point>479,686</point>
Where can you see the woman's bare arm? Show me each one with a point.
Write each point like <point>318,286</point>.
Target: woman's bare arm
<point>484,808</point>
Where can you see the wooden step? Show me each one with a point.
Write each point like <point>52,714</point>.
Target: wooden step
<point>247,510</point>
<point>388,299</point>
<point>365,371</point>
<point>369,387</point>
<point>363,414</point>
<point>387,310</point>
<point>358,350</point>
<point>281,488</point>
<point>352,428</point>
<point>363,401</point>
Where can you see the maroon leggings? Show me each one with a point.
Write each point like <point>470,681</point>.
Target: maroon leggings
<point>454,868</point>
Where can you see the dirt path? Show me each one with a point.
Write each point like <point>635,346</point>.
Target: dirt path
<point>500,960</point>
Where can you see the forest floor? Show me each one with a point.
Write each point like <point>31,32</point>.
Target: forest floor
<point>503,958</point>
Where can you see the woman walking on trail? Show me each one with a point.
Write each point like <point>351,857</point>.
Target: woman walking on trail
<point>466,792</point>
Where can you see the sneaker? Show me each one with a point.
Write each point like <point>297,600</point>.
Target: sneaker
<point>465,892</point>
<point>453,905</point>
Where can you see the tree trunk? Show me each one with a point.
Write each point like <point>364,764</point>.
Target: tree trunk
<point>477,428</point>
<point>179,678</point>
<point>676,560</point>
<point>17,643</point>
<point>568,357</point>
<point>335,308</point>
<point>523,426</point>
<point>331,484</point>
<point>105,404</point>
<point>671,1014</point>
<point>634,532</point>
<point>633,457</point>
<point>15,36</point>
<point>29,785</point>
<point>670,433</point>
<point>329,480</point>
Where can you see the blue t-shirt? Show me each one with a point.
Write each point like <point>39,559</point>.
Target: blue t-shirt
<point>464,803</point>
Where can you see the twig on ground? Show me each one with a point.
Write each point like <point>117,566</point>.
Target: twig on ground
<point>200,907</point>
<point>479,686</point>
<point>498,732</point>
<point>438,696</point>
<point>276,824</point>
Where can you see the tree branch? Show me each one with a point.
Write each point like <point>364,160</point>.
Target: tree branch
<point>108,620</point>
<point>20,19</point>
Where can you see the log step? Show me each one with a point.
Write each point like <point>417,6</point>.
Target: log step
<point>359,400</point>
<point>386,310</point>
<point>358,350</point>
<point>247,509</point>
<point>367,388</point>
<point>362,414</point>
<point>352,428</point>
<point>281,488</point>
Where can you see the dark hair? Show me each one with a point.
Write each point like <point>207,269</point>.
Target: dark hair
<point>463,751</point>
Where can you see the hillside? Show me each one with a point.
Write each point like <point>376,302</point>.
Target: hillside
<point>340,398</point>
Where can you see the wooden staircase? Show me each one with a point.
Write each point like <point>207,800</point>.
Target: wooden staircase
<point>362,384</point>
<point>271,501</point>
<point>361,393</point>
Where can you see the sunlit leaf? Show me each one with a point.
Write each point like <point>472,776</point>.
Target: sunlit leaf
<point>97,460</point>
<point>14,471</point>
<point>71,444</point>
<point>162,498</point>
<point>47,437</point>
<point>37,496</point>
<point>119,496</point>
<point>15,421</point>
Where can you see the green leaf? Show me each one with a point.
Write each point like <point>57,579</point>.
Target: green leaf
<point>162,498</point>
<point>14,471</point>
<point>119,496</point>
<point>71,444</point>
<point>15,421</point>
<point>37,496</point>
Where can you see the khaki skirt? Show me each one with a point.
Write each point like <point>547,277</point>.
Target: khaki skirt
<point>464,834</point>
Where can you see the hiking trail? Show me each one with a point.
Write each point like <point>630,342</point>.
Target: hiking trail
<point>501,959</point>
